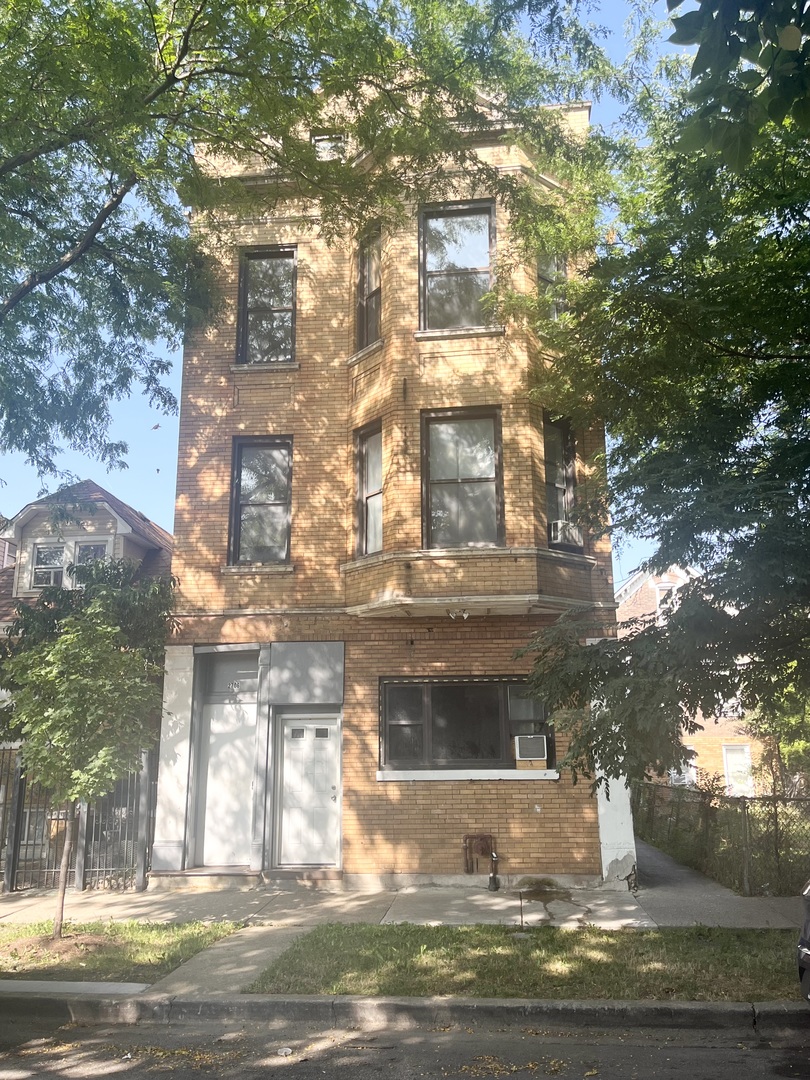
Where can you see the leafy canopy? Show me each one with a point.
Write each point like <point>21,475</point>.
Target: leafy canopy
<point>752,67</point>
<point>688,337</point>
<point>105,103</point>
<point>83,672</point>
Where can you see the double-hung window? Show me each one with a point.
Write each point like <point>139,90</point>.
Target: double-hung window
<point>369,489</point>
<point>267,282</point>
<point>260,501</point>
<point>456,245</point>
<point>48,565</point>
<point>462,481</point>
<point>369,290</point>
<point>550,272</point>
<point>560,464</point>
<point>88,553</point>
<point>458,723</point>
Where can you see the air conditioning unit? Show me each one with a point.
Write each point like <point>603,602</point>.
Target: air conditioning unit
<point>563,532</point>
<point>530,747</point>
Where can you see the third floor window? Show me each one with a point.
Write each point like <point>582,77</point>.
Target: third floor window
<point>368,291</point>
<point>267,307</point>
<point>456,245</point>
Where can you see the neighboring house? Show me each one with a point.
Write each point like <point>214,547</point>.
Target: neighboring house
<point>372,517</point>
<point>76,524</point>
<point>723,748</point>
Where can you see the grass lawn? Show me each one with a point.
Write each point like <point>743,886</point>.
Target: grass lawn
<point>694,964</point>
<point>103,951</point>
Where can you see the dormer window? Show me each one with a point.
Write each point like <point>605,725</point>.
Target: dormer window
<point>49,562</point>
<point>87,553</point>
<point>48,565</point>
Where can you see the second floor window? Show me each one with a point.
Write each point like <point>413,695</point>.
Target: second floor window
<point>455,261</point>
<point>560,463</point>
<point>48,567</point>
<point>462,486</point>
<point>369,467</point>
<point>369,291</point>
<point>261,497</point>
<point>267,307</point>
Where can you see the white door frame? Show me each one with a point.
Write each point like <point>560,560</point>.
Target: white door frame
<point>332,718</point>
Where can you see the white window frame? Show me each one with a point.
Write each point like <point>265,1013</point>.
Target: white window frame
<point>70,552</point>
<point>746,751</point>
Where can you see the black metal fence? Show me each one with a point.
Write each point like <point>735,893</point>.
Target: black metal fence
<point>113,836</point>
<point>758,846</point>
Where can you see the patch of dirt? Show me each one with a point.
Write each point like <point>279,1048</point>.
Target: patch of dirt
<point>26,956</point>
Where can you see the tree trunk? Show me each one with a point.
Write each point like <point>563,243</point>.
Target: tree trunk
<point>64,869</point>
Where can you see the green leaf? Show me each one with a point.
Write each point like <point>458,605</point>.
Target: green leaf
<point>688,28</point>
<point>695,135</point>
<point>801,113</point>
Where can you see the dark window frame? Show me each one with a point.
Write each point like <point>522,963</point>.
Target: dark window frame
<point>508,728</point>
<point>552,268</point>
<point>363,494</point>
<point>369,301</point>
<point>249,255</point>
<point>430,416</point>
<point>569,491</point>
<point>445,210</point>
<point>234,534</point>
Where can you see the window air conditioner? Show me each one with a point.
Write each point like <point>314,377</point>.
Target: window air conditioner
<point>563,532</point>
<point>530,747</point>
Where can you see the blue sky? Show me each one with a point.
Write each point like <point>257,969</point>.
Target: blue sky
<point>148,483</point>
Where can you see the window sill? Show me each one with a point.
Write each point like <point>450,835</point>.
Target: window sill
<point>369,350</point>
<point>279,366</point>
<point>384,775</point>
<point>258,568</point>
<point>459,332</point>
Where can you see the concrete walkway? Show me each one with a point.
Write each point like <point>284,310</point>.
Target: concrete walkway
<point>669,895</point>
<point>675,895</point>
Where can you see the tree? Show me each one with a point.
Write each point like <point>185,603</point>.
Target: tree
<point>117,116</point>
<point>689,337</point>
<point>84,686</point>
<point>752,67</point>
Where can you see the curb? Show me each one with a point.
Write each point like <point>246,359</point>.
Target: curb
<point>766,1019</point>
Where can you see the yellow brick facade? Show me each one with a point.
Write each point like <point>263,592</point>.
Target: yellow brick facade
<point>390,608</point>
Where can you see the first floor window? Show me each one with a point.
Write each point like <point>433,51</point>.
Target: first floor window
<point>369,479</point>
<point>455,259</point>
<point>261,497</point>
<point>267,307</point>
<point>457,723</point>
<point>49,560</point>
<point>462,488</point>
<point>560,464</point>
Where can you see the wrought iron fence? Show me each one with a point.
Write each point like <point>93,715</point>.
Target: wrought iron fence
<point>756,846</point>
<point>113,835</point>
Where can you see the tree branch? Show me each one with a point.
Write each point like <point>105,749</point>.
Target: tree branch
<point>40,277</point>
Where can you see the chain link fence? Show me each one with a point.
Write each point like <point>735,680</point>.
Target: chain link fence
<point>757,846</point>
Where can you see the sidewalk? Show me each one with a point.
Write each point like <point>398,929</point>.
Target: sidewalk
<point>210,983</point>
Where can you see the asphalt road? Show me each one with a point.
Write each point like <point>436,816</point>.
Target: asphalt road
<point>30,1050</point>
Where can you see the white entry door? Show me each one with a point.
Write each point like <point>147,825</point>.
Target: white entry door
<point>309,827</point>
<point>226,807</point>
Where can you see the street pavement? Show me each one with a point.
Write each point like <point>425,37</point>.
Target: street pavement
<point>211,983</point>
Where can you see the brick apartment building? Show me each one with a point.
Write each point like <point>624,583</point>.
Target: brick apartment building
<point>372,516</point>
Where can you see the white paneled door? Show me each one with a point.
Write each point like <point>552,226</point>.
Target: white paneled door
<point>309,826</point>
<point>228,772</point>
